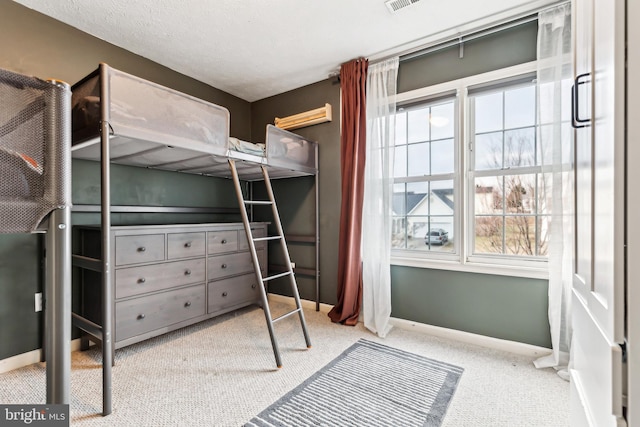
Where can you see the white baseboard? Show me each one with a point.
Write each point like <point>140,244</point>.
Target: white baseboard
<point>452,334</point>
<point>470,338</point>
<point>29,358</point>
<point>35,356</point>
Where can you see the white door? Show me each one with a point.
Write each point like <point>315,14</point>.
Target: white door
<point>598,285</point>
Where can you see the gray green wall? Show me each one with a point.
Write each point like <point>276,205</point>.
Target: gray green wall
<point>497,306</point>
<point>37,45</point>
<point>514,46</point>
<point>298,215</point>
<point>504,307</point>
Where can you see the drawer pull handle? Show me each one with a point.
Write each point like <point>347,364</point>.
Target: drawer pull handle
<point>142,249</point>
<point>224,265</point>
<point>141,316</point>
<point>187,272</point>
<point>224,294</point>
<point>223,241</point>
<point>142,280</point>
<point>253,286</point>
<point>187,304</point>
<point>187,245</point>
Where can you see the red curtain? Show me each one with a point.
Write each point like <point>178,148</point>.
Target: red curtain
<point>353,78</point>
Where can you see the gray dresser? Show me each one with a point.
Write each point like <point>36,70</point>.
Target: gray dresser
<point>170,276</point>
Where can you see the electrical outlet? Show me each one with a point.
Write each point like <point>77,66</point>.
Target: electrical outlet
<point>38,301</point>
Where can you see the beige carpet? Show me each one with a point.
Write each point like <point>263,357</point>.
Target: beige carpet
<point>222,372</point>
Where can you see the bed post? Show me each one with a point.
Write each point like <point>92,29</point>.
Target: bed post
<point>105,218</point>
<point>57,338</point>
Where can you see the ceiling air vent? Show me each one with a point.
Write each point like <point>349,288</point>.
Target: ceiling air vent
<point>394,5</point>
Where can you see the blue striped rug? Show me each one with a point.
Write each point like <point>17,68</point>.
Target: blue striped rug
<point>370,385</point>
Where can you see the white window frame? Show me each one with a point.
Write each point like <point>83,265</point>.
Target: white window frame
<point>463,258</point>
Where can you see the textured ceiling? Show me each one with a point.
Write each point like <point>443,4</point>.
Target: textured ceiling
<point>257,48</point>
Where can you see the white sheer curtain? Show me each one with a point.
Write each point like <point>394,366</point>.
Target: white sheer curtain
<point>556,142</point>
<point>378,193</point>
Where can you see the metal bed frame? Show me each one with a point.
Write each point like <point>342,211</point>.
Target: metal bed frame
<point>147,148</point>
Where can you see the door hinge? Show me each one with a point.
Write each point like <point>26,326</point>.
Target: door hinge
<point>623,347</point>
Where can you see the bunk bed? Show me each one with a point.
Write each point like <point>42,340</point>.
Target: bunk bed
<point>123,119</point>
<point>35,197</point>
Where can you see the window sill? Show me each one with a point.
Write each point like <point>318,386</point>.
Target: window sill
<point>473,267</point>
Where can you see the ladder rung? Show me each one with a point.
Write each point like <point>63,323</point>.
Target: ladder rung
<point>275,276</point>
<point>286,315</point>
<point>260,239</point>
<point>258,202</point>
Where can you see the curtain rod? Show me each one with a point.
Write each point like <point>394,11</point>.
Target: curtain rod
<point>468,37</point>
<point>452,40</point>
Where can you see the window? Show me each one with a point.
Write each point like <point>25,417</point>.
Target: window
<point>471,190</point>
<point>508,191</point>
<point>424,172</point>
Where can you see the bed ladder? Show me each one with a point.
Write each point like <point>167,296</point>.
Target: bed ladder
<point>256,263</point>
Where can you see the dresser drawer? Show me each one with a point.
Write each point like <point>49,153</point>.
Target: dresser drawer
<point>137,249</point>
<point>229,265</point>
<point>138,280</point>
<point>222,241</point>
<point>145,314</point>
<point>232,292</point>
<point>185,245</point>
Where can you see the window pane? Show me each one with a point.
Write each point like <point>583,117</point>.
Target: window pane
<point>400,161</point>
<point>418,159</point>
<point>520,193</point>
<point>441,121</point>
<point>488,235</point>
<point>418,226</point>
<point>418,125</point>
<point>488,109</point>
<point>520,107</point>
<point>417,202</point>
<point>488,151</point>
<point>519,147</point>
<point>399,200</point>
<point>488,196</point>
<point>520,235</point>
<point>442,157</point>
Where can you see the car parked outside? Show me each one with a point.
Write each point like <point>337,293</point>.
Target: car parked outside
<point>436,236</point>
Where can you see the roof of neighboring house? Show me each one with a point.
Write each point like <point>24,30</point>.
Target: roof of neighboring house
<point>414,199</point>
<point>446,195</point>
